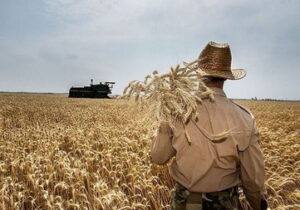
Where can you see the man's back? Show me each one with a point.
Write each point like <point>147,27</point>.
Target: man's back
<point>214,164</point>
<point>209,165</point>
<point>195,165</point>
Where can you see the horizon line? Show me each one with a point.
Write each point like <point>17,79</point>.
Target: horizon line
<point>252,99</point>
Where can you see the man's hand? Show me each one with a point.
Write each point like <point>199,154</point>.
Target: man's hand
<point>162,149</point>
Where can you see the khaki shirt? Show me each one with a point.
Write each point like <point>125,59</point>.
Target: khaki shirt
<point>205,166</point>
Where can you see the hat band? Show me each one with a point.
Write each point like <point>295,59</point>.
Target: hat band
<point>215,67</point>
<point>217,73</point>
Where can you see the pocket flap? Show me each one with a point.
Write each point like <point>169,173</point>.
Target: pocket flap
<point>242,139</point>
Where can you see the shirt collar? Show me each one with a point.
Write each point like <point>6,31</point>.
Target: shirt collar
<point>218,91</point>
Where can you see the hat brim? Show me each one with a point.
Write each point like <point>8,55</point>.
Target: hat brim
<point>234,74</point>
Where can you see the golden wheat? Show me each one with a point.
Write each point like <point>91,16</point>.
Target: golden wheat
<point>61,153</point>
<point>173,97</point>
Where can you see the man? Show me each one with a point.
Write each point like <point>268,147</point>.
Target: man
<point>208,172</point>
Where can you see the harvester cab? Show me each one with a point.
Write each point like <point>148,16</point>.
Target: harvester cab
<point>100,90</point>
<point>110,84</point>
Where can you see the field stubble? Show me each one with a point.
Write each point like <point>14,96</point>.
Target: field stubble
<point>61,153</point>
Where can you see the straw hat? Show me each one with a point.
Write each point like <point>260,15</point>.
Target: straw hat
<point>215,61</point>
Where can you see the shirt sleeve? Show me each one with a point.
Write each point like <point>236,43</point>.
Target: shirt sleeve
<point>162,150</point>
<point>252,173</point>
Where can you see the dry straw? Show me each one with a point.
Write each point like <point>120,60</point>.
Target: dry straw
<point>61,153</point>
<point>173,96</point>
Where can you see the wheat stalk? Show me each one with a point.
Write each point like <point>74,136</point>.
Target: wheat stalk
<point>173,96</point>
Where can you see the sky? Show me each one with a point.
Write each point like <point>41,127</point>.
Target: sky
<point>51,45</point>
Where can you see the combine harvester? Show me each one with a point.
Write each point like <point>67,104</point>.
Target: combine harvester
<point>100,90</point>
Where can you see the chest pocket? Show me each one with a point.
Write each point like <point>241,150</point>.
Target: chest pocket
<point>242,139</point>
<point>226,148</point>
<point>237,141</point>
<point>226,153</point>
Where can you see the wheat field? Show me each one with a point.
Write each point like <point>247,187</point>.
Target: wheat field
<point>62,153</point>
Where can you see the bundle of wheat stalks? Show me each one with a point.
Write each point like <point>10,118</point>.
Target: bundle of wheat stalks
<point>173,97</point>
